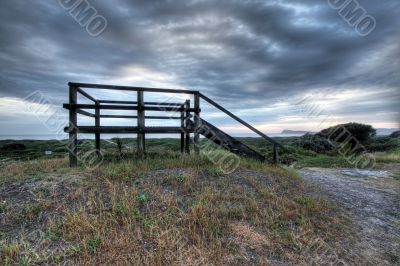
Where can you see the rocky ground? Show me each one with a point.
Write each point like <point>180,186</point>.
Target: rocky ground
<point>372,200</point>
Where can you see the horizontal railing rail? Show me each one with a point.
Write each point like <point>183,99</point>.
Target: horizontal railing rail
<point>130,88</point>
<point>126,107</point>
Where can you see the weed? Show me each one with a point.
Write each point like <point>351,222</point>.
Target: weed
<point>144,197</point>
<point>180,178</point>
<point>147,222</point>
<point>3,207</point>
<point>54,232</point>
<point>215,172</point>
<point>29,212</point>
<point>93,245</point>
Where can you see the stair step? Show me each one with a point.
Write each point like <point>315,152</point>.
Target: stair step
<point>223,139</point>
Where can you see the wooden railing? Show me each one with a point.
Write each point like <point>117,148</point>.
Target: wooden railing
<point>141,107</point>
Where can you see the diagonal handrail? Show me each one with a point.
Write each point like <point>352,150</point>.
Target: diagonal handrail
<point>241,121</point>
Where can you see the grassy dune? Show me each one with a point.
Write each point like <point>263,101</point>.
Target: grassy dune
<point>163,210</point>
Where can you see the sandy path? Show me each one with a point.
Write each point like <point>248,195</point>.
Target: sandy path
<point>372,202</point>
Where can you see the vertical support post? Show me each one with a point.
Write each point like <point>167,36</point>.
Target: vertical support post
<point>73,134</point>
<point>183,129</point>
<point>187,133</point>
<point>196,138</point>
<point>97,124</point>
<point>276,154</point>
<point>141,124</point>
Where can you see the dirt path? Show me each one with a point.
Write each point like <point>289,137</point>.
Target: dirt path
<point>372,201</point>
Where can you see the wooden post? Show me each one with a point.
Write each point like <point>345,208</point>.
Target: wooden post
<point>97,124</point>
<point>183,130</point>
<point>196,138</point>
<point>73,135</point>
<point>141,124</point>
<point>187,134</point>
<point>276,154</point>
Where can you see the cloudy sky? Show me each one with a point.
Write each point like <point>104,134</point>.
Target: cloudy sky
<point>279,64</point>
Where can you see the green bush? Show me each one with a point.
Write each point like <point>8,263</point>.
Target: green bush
<point>395,134</point>
<point>13,147</point>
<point>314,143</point>
<point>381,144</point>
<point>339,133</point>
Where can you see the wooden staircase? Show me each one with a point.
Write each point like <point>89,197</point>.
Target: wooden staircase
<point>226,141</point>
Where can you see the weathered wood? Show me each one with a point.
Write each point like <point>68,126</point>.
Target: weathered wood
<point>240,120</point>
<point>135,103</point>
<point>123,107</point>
<point>182,134</point>
<point>85,113</point>
<point>118,102</point>
<point>146,117</point>
<point>196,138</point>
<point>187,133</point>
<point>276,154</point>
<point>228,142</point>
<point>164,104</point>
<point>73,136</point>
<point>130,88</point>
<point>125,130</point>
<point>198,126</point>
<point>97,135</point>
<point>87,95</point>
<point>140,124</point>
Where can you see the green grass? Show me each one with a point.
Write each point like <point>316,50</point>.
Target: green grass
<point>320,160</point>
<point>388,157</point>
<point>169,210</point>
<point>169,149</point>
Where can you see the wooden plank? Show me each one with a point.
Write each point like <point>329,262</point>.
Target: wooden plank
<point>182,134</point>
<point>135,103</point>
<point>240,120</point>
<point>73,136</point>
<point>135,117</point>
<point>123,107</point>
<point>97,135</point>
<point>125,130</point>
<point>164,104</point>
<point>117,102</point>
<point>87,95</point>
<point>119,116</point>
<point>85,113</point>
<point>228,142</point>
<point>196,138</point>
<point>187,124</point>
<point>141,124</point>
<point>130,88</point>
<point>276,154</point>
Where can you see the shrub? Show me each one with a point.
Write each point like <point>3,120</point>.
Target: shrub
<point>314,143</point>
<point>13,147</point>
<point>395,134</point>
<point>339,133</point>
<point>381,144</point>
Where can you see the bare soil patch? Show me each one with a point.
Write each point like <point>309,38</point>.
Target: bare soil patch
<point>372,201</point>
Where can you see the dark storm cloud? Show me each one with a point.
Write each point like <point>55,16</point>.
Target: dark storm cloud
<point>253,51</point>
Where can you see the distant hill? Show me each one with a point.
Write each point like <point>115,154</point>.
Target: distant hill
<point>385,131</point>
<point>295,132</point>
<point>379,131</point>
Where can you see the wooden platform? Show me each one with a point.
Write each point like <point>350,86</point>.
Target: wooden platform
<point>186,113</point>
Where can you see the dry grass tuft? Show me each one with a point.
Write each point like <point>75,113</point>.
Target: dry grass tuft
<point>15,171</point>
